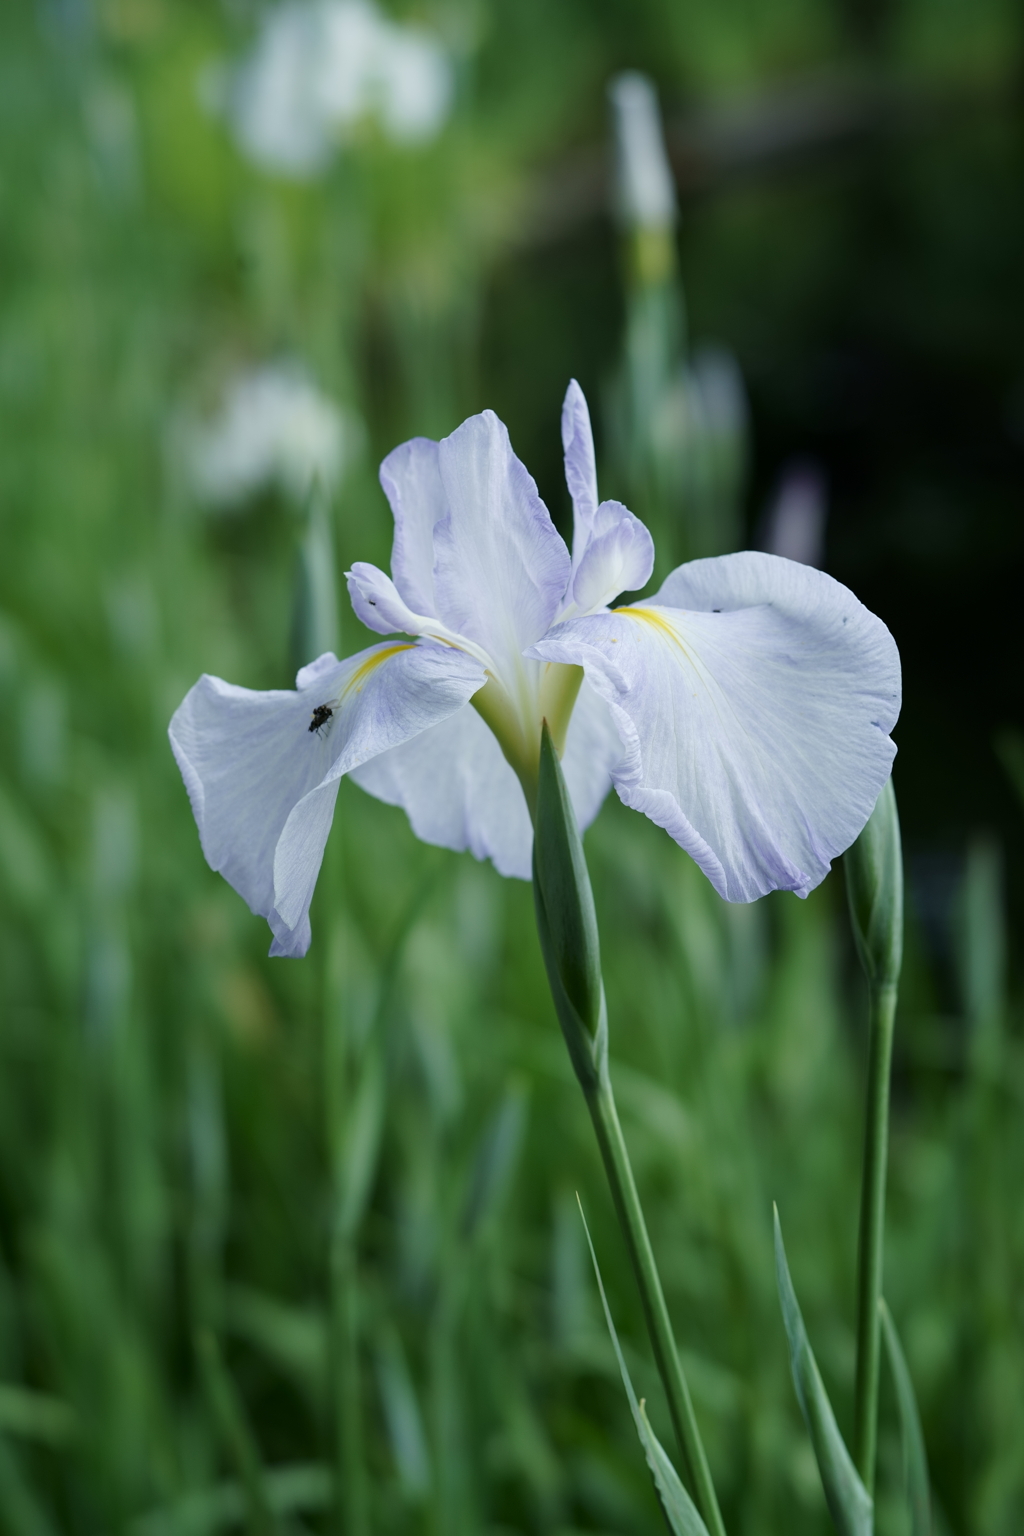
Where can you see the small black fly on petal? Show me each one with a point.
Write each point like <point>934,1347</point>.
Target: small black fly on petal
<point>321,715</point>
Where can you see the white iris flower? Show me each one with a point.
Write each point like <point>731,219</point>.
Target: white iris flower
<point>745,708</point>
<point>274,427</point>
<point>320,68</point>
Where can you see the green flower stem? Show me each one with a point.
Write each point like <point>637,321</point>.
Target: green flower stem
<point>567,928</point>
<point>872,1229</point>
<point>874,884</point>
<point>601,1103</point>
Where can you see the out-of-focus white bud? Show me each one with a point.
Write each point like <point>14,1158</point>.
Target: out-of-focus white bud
<point>319,68</point>
<point>274,427</point>
<point>645,192</point>
<point>794,524</point>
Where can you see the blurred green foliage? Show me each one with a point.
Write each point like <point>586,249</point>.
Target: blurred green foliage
<point>297,1245</point>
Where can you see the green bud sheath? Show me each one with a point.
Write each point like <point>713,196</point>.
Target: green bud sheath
<point>874,885</point>
<point>564,895</point>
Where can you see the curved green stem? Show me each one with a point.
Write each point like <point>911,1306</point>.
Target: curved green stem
<point>872,1229</point>
<point>601,1103</point>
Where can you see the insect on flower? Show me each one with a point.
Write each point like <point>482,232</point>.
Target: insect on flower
<point>745,707</point>
<point>321,715</point>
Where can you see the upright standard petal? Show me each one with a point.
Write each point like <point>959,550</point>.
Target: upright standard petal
<point>754,698</point>
<point>612,551</point>
<point>618,558</point>
<point>580,467</point>
<point>262,769</point>
<point>501,567</point>
<point>411,477</point>
<point>377,602</point>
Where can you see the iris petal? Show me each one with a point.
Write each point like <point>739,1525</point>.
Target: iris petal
<point>501,567</point>
<point>459,792</point>
<point>592,750</point>
<point>618,558</point>
<point>580,467</point>
<point>756,735</point>
<point>377,602</point>
<point>411,478</point>
<point>612,551</point>
<point>263,783</point>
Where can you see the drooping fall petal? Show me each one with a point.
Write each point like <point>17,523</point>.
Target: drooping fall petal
<point>459,792</point>
<point>263,784</point>
<point>754,699</point>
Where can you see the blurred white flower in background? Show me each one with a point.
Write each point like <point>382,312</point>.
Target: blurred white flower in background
<point>274,428</point>
<point>318,69</point>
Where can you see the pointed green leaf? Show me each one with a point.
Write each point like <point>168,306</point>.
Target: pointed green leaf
<point>915,1460</point>
<point>849,1502</point>
<point>680,1510</point>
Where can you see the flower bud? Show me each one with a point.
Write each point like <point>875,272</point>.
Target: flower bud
<point>645,189</point>
<point>874,885</point>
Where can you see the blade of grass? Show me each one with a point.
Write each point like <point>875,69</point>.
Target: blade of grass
<point>915,1458</point>
<point>849,1502</point>
<point>680,1510</point>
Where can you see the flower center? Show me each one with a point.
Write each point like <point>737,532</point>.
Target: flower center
<point>548,690</point>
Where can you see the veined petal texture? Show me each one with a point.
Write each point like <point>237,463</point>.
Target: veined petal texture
<point>618,558</point>
<point>411,477</point>
<point>612,551</point>
<point>754,699</point>
<point>580,467</point>
<point>263,783</point>
<point>378,603</point>
<point>500,565</point>
<point>592,750</point>
<point>459,792</point>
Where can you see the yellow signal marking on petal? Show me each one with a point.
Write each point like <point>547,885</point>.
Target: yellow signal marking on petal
<point>370,665</point>
<point>650,617</point>
<point>655,620</point>
<point>663,627</point>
